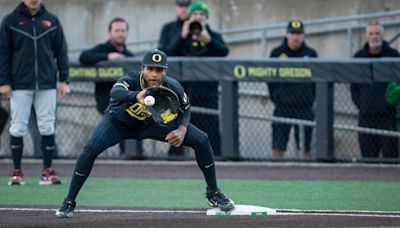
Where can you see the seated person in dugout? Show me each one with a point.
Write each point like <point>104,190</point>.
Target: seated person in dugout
<point>120,123</point>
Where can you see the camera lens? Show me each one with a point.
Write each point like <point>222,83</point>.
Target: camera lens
<point>195,28</point>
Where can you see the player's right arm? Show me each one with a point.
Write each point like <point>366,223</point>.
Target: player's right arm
<point>121,91</point>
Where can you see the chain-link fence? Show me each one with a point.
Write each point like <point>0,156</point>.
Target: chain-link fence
<point>258,119</point>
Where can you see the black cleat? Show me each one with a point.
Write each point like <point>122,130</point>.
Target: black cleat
<point>217,199</point>
<point>66,209</point>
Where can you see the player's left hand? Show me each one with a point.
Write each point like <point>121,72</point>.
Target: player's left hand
<point>63,89</point>
<point>176,137</point>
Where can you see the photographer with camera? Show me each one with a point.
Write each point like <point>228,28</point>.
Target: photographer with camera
<point>197,39</point>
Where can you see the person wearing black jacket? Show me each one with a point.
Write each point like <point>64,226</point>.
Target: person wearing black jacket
<point>172,28</point>
<point>292,100</point>
<point>374,111</point>
<point>32,50</point>
<point>113,49</point>
<point>202,42</point>
<point>168,31</point>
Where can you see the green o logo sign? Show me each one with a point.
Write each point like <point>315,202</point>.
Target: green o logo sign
<point>296,24</point>
<point>239,71</point>
<point>156,58</point>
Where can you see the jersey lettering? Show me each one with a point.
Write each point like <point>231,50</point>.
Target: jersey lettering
<point>137,111</point>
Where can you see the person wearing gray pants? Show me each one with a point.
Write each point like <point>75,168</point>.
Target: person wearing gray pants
<point>32,50</point>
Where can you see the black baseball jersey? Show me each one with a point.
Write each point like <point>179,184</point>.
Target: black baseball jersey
<point>291,95</point>
<point>125,108</point>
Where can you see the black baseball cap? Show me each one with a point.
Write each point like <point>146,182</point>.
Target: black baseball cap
<point>183,2</point>
<point>295,26</point>
<point>155,58</point>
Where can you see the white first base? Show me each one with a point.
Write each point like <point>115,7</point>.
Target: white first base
<point>243,210</point>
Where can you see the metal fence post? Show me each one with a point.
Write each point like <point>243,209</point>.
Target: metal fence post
<point>302,140</point>
<point>229,120</point>
<point>350,41</point>
<point>264,43</point>
<point>324,120</point>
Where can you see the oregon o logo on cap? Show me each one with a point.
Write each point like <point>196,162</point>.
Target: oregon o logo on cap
<point>296,24</point>
<point>156,58</point>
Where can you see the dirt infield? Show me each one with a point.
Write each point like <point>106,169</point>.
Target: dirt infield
<point>86,219</point>
<point>105,217</point>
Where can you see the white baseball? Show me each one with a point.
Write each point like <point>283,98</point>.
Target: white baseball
<point>149,100</point>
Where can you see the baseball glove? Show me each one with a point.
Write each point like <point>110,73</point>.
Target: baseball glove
<point>166,106</point>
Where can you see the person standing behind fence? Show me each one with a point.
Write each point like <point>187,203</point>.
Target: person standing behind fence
<point>168,32</point>
<point>292,100</point>
<point>113,49</point>
<point>197,39</point>
<point>172,28</point>
<point>374,111</point>
<point>32,49</point>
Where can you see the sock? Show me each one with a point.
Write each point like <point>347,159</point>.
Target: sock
<point>211,179</point>
<point>205,161</point>
<point>17,146</point>
<point>47,150</point>
<point>82,170</point>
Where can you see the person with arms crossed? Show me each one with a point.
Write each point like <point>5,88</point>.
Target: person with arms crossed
<point>374,111</point>
<point>128,117</point>
<point>32,49</point>
<point>197,39</point>
<point>292,100</point>
<point>113,49</point>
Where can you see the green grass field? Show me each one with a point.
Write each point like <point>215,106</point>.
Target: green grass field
<point>111,192</point>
